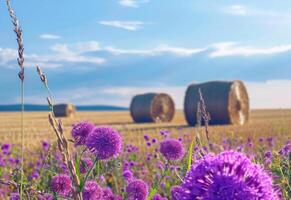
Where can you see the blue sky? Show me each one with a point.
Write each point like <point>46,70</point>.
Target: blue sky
<point>104,52</point>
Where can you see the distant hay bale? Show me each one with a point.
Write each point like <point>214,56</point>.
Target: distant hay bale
<point>152,107</point>
<point>226,102</point>
<point>64,110</point>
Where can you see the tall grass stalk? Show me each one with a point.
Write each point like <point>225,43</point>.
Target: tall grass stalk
<point>20,60</point>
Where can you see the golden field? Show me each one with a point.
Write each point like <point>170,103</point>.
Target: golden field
<point>262,123</point>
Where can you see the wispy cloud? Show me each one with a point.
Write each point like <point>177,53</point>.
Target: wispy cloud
<point>127,25</point>
<point>236,10</point>
<point>233,49</point>
<point>50,37</point>
<point>179,51</point>
<point>132,3</point>
<point>61,55</point>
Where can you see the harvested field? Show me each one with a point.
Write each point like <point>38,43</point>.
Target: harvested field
<point>262,123</point>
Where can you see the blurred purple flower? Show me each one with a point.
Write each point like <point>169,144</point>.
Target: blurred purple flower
<point>45,196</point>
<point>45,145</point>
<point>172,149</point>
<point>104,142</point>
<point>146,137</point>
<point>80,132</point>
<point>61,184</point>
<point>91,191</point>
<point>137,190</point>
<point>14,196</point>
<point>85,165</point>
<point>158,197</point>
<point>128,175</point>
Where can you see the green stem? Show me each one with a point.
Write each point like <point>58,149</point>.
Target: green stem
<point>22,139</point>
<point>88,174</point>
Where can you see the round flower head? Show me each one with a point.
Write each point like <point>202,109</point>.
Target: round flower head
<point>80,132</point>
<point>85,164</point>
<point>137,190</point>
<point>158,197</point>
<point>172,149</point>
<point>104,142</point>
<point>128,176</point>
<point>228,175</point>
<point>91,191</point>
<point>61,184</point>
<point>107,194</point>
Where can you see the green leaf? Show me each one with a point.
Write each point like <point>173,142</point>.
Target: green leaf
<point>152,193</point>
<point>190,155</point>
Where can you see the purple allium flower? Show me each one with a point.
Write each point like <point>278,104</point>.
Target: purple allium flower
<point>228,175</point>
<point>80,132</point>
<point>128,175</point>
<point>14,196</point>
<point>45,196</point>
<point>172,149</point>
<point>158,197</point>
<point>154,140</point>
<point>85,165</point>
<point>104,142</point>
<point>137,190</point>
<point>91,191</point>
<point>61,184</point>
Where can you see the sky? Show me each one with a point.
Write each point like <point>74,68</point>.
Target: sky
<point>106,51</point>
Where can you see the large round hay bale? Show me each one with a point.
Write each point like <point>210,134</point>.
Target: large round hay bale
<point>64,110</point>
<point>152,107</point>
<point>226,102</point>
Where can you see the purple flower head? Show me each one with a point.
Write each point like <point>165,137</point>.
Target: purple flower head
<point>45,196</point>
<point>286,150</point>
<point>128,175</point>
<point>175,192</point>
<point>146,137</point>
<point>85,165</point>
<point>107,194</point>
<point>158,197</point>
<point>172,149</point>
<point>137,190</point>
<point>5,148</point>
<point>80,132</point>
<point>61,184</point>
<point>34,175</point>
<point>91,191</point>
<point>14,196</point>
<point>154,140</point>
<point>45,145</point>
<point>270,141</point>
<point>228,175</point>
<point>104,142</point>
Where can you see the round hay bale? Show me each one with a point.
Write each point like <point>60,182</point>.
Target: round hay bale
<point>152,107</point>
<point>226,102</point>
<point>64,110</point>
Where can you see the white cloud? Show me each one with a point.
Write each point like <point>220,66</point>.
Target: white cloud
<point>132,3</point>
<point>269,94</point>
<point>179,51</point>
<point>127,25</point>
<point>62,54</point>
<point>49,37</point>
<point>236,10</point>
<point>233,49</point>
